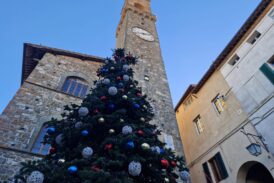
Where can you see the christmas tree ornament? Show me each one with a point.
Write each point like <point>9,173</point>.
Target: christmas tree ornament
<point>108,147</point>
<point>166,180</point>
<point>130,145</point>
<point>61,161</point>
<point>144,106</point>
<point>101,120</point>
<point>112,91</point>
<point>162,151</point>
<point>126,130</point>
<point>173,163</point>
<point>51,130</point>
<point>103,98</point>
<point>106,81</point>
<point>131,86</point>
<point>139,94</point>
<point>83,111</point>
<point>118,78</point>
<point>35,177</point>
<point>87,152</point>
<point>112,68</point>
<point>125,77</point>
<point>78,125</point>
<point>125,97</point>
<point>111,106</point>
<point>95,111</point>
<point>140,133</point>
<point>126,67</point>
<point>165,163</point>
<point>52,150</point>
<point>122,120</point>
<point>142,119</point>
<point>134,168</point>
<point>184,175</point>
<point>59,139</point>
<point>156,149</point>
<point>111,131</point>
<point>72,169</point>
<point>145,146</point>
<point>95,168</point>
<point>136,106</point>
<point>84,133</point>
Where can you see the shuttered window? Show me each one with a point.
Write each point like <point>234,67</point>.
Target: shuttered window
<point>218,168</point>
<point>268,69</point>
<point>207,173</point>
<point>75,86</point>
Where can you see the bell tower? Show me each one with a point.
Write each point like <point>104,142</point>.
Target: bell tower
<point>137,33</point>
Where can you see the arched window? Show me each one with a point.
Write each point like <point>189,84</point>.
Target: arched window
<point>39,147</point>
<point>75,86</point>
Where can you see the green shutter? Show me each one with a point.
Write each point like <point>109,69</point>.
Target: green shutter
<point>268,72</point>
<point>221,166</point>
<point>207,173</point>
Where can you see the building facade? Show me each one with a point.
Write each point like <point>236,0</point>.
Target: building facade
<point>230,110</point>
<point>53,78</point>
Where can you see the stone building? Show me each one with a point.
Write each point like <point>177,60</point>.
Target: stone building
<point>229,111</point>
<point>53,78</point>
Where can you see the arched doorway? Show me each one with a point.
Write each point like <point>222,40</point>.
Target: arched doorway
<point>254,172</point>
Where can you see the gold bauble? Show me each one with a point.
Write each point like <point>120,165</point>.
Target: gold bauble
<point>124,97</point>
<point>145,146</point>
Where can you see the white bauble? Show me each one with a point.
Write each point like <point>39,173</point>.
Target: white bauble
<point>59,139</point>
<point>78,125</point>
<point>156,149</point>
<point>87,152</point>
<point>106,81</point>
<point>134,168</point>
<point>126,67</point>
<point>184,175</point>
<point>112,91</point>
<point>125,77</point>
<point>127,130</point>
<point>145,146</point>
<point>83,111</point>
<point>35,177</point>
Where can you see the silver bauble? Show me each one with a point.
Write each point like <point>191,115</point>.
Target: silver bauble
<point>122,120</point>
<point>83,111</point>
<point>142,119</point>
<point>134,168</point>
<point>125,97</point>
<point>59,139</point>
<point>87,152</point>
<point>145,146</point>
<point>111,131</point>
<point>35,177</point>
<point>61,161</point>
<point>166,180</point>
<point>127,130</point>
<point>156,149</point>
<point>101,120</point>
<point>184,175</point>
<point>112,91</point>
<point>106,81</point>
<point>125,77</point>
<point>78,125</point>
<point>126,67</point>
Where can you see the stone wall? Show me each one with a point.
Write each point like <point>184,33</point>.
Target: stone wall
<point>37,100</point>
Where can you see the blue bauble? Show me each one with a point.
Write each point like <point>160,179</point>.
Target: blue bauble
<point>162,151</point>
<point>136,106</point>
<point>121,85</point>
<point>84,133</point>
<point>111,106</point>
<point>72,169</point>
<point>130,145</point>
<point>51,130</point>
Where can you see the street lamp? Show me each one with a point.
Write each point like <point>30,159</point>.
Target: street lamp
<point>254,149</point>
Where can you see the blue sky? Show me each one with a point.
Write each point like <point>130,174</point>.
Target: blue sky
<point>192,33</point>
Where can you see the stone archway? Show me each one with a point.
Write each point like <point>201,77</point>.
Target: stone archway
<point>254,172</point>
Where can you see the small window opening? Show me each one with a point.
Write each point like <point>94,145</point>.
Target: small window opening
<point>234,60</point>
<point>75,86</point>
<point>198,125</point>
<point>254,37</point>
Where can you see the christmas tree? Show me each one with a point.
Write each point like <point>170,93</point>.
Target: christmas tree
<point>108,139</point>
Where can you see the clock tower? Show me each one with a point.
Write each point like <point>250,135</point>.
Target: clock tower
<point>137,33</point>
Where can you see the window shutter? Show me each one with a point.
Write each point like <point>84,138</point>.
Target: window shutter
<point>268,72</point>
<point>207,173</point>
<point>221,166</point>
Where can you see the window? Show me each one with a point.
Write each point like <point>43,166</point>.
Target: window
<point>218,103</point>
<point>75,86</point>
<point>207,173</point>
<point>268,69</point>
<point>218,168</point>
<point>198,125</point>
<point>234,60</point>
<point>39,147</point>
<point>169,141</point>
<point>271,14</point>
<point>254,37</point>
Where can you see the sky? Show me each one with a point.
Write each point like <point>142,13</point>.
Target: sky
<point>192,34</point>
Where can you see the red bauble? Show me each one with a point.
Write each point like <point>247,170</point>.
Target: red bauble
<point>165,163</point>
<point>140,132</point>
<point>173,163</point>
<point>103,98</point>
<point>95,168</point>
<point>108,147</point>
<point>118,78</point>
<point>52,150</point>
<point>139,94</point>
<point>95,111</point>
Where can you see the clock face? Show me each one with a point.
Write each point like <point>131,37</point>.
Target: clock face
<point>143,34</point>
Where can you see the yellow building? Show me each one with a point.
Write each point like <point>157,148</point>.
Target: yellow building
<point>216,130</point>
